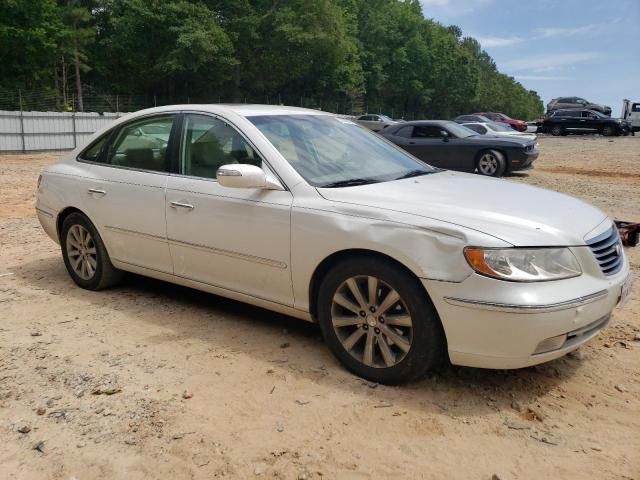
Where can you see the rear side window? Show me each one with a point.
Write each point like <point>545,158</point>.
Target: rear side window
<point>565,100</point>
<point>92,152</point>
<point>143,144</point>
<point>427,131</point>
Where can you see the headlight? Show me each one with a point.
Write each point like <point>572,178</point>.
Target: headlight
<point>523,264</point>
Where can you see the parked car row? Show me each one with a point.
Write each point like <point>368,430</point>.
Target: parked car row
<point>403,265</point>
<point>447,144</point>
<point>469,143</point>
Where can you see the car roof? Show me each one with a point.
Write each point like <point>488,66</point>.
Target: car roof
<point>426,122</point>
<point>244,110</point>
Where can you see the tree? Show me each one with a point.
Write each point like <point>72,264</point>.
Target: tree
<point>78,34</point>
<point>340,55</point>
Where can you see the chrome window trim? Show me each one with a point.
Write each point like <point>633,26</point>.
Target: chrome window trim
<point>241,133</point>
<point>515,308</point>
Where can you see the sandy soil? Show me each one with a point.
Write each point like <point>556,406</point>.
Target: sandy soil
<point>151,380</point>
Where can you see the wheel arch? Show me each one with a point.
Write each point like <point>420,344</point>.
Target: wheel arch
<point>336,257</point>
<point>501,151</point>
<point>64,213</point>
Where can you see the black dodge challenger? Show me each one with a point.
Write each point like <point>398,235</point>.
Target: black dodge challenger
<point>452,146</point>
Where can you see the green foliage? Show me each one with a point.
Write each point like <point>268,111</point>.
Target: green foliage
<point>348,55</point>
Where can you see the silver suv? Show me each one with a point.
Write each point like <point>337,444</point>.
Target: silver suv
<point>576,102</point>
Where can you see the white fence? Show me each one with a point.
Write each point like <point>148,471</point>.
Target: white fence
<point>34,131</point>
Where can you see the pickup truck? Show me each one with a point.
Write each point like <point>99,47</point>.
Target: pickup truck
<point>631,113</point>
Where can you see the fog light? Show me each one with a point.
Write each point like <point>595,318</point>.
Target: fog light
<point>551,344</point>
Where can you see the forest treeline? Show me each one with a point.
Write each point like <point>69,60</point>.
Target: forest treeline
<point>347,55</point>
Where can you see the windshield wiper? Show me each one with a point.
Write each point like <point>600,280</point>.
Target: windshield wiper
<point>352,182</point>
<point>414,173</point>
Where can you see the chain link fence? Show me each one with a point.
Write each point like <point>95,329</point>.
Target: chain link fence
<point>42,120</point>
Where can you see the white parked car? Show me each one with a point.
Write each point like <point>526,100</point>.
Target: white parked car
<point>498,130</point>
<point>376,122</point>
<point>297,211</point>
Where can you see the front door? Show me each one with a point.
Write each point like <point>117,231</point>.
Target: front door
<point>233,238</point>
<point>428,143</point>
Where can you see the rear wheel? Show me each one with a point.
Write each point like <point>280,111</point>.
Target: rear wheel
<point>85,255</point>
<point>491,163</point>
<point>557,130</point>
<point>379,322</point>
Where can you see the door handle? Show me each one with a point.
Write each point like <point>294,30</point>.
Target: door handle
<point>181,205</point>
<point>412,143</point>
<point>96,191</point>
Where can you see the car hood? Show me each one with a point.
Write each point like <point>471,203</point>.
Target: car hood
<point>519,214</point>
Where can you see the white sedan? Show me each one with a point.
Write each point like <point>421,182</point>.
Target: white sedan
<point>498,130</point>
<point>401,264</point>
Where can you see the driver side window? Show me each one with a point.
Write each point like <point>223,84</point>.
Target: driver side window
<point>427,131</point>
<point>209,143</point>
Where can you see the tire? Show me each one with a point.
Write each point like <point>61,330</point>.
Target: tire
<point>91,268</point>
<point>401,351</point>
<point>608,131</point>
<point>557,130</point>
<point>491,163</point>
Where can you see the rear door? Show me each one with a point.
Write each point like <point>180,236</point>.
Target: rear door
<point>126,191</point>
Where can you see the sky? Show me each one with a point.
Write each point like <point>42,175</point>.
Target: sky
<point>583,48</point>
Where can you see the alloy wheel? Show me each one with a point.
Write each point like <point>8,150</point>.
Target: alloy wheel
<point>372,321</point>
<point>82,253</point>
<point>488,164</point>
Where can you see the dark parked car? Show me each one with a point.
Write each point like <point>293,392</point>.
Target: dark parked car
<point>518,125</point>
<point>450,145</point>
<point>563,103</point>
<point>471,118</point>
<point>563,122</point>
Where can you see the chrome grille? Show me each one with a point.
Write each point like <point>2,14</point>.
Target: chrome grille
<point>607,248</point>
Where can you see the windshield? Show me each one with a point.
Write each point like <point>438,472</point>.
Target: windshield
<point>459,131</point>
<point>500,127</point>
<point>385,118</point>
<point>504,117</point>
<point>598,114</point>
<point>332,152</point>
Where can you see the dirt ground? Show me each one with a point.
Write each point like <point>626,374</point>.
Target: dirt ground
<point>151,380</point>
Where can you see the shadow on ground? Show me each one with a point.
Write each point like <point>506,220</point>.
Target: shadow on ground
<point>233,326</point>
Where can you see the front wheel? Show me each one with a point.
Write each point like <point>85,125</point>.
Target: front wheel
<point>85,255</point>
<point>491,164</point>
<point>556,131</point>
<point>379,322</point>
<point>608,131</point>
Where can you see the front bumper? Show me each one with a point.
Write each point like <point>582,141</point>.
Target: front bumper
<point>524,160</point>
<point>496,324</point>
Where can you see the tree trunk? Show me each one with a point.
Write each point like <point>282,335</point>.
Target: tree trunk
<point>64,84</point>
<point>56,86</point>
<point>76,61</point>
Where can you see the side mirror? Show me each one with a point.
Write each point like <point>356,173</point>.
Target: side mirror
<point>445,135</point>
<point>242,175</point>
